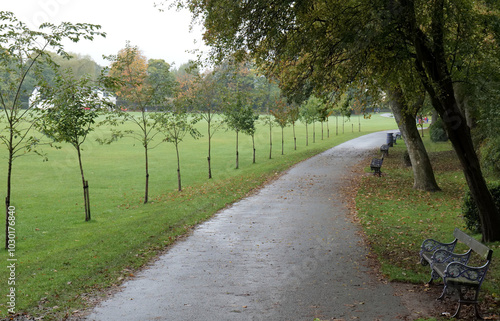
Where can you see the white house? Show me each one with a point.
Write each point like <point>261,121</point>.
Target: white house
<point>106,96</point>
<point>37,101</point>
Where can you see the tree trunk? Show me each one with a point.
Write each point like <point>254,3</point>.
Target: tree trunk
<point>237,152</point>
<point>459,135</point>
<point>209,157</point>
<point>314,132</point>
<point>423,174</point>
<point>462,92</point>
<point>307,135</point>
<point>270,139</point>
<point>282,141</point>
<point>178,166</point>
<point>294,137</point>
<point>435,116</point>
<point>7,238</point>
<point>146,190</point>
<point>9,184</point>
<point>86,200</point>
<point>209,167</point>
<point>253,147</point>
<point>432,66</point>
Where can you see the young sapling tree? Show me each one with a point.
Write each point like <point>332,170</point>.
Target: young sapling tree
<point>74,108</point>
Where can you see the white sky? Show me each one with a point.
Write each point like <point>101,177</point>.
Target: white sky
<point>160,35</point>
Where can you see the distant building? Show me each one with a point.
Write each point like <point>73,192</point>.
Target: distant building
<point>106,96</point>
<point>36,100</point>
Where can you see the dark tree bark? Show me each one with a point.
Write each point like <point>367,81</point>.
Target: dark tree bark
<point>86,199</point>
<point>270,140</point>
<point>146,189</point>
<point>237,151</point>
<point>179,184</point>
<point>253,147</point>
<point>423,174</point>
<point>209,157</point>
<point>307,134</point>
<point>314,132</point>
<point>7,198</point>
<point>432,66</point>
<point>435,116</point>
<point>462,95</point>
<point>282,141</point>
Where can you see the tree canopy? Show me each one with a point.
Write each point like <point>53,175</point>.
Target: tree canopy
<point>326,45</point>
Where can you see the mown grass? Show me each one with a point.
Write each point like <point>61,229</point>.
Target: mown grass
<point>397,218</point>
<point>63,261</point>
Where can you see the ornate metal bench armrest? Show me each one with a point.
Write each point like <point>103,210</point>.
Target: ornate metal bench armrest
<point>431,245</point>
<point>474,274</point>
<point>445,256</point>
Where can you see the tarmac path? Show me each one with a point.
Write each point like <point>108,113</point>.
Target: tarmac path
<point>288,252</point>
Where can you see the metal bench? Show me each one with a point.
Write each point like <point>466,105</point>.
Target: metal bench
<point>385,150</point>
<point>453,267</point>
<point>376,164</point>
<point>396,136</point>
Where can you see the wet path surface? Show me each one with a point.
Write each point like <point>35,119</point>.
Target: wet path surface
<point>289,252</point>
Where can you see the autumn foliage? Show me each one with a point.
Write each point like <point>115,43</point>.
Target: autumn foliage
<point>130,66</point>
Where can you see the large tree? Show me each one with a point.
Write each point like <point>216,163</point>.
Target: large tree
<point>423,174</point>
<point>24,52</point>
<point>330,43</point>
<point>435,39</point>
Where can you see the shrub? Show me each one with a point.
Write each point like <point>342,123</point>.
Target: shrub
<point>490,155</point>
<point>437,131</point>
<point>470,211</point>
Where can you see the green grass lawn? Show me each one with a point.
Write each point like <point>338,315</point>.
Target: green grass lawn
<point>62,258</point>
<point>397,218</point>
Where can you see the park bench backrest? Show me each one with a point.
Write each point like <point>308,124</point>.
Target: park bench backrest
<point>481,249</point>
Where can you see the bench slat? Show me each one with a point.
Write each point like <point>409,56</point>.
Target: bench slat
<point>481,249</point>
<point>440,269</point>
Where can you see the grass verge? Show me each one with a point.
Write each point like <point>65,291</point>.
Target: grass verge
<point>396,218</point>
<point>64,262</point>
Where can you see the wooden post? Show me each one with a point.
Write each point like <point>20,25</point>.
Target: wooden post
<point>87,201</point>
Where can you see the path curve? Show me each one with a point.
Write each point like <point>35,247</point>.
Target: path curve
<point>289,252</point>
